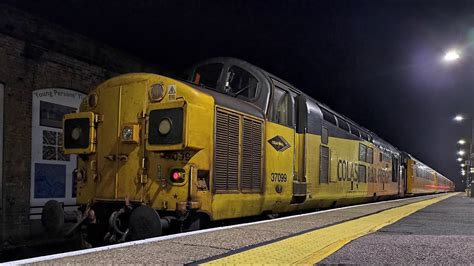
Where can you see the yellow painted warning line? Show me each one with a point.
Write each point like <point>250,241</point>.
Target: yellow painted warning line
<point>316,245</point>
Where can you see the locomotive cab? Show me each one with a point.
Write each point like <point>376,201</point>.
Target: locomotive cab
<point>234,78</point>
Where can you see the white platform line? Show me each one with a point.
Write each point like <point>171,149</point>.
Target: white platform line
<point>168,237</point>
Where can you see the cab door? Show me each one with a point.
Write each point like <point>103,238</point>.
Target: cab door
<point>280,148</point>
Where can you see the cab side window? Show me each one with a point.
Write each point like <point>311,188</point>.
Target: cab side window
<point>280,107</point>
<point>241,83</point>
<point>207,75</point>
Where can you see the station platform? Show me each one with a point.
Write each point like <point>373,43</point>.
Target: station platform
<point>427,229</point>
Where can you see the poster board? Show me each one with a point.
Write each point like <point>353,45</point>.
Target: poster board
<point>51,169</point>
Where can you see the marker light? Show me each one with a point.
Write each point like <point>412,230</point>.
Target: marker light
<point>177,176</point>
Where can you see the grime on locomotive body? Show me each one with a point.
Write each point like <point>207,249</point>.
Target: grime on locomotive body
<point>156,153</point>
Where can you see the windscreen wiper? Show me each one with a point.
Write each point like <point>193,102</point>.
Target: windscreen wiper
<point>237,93</point>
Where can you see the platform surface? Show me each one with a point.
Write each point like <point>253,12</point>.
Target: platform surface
<point>415,230</point>
<point>442,233</point>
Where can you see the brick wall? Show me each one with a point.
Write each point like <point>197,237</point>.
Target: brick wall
<point>34,55</point>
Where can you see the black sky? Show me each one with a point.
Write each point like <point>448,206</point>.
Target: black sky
<point>377,62</point>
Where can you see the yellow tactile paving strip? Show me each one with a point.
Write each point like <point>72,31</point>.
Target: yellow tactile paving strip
<point>312,247</point>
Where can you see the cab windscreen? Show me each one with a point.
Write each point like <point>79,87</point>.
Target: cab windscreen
<point>166,127</point>
<point>76,133</point>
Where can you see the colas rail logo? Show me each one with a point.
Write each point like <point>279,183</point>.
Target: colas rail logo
<point>279,143</point>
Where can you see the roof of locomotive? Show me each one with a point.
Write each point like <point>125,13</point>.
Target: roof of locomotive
<point>229,60</point>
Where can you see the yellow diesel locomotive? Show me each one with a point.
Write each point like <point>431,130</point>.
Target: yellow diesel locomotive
<point>157,153</point>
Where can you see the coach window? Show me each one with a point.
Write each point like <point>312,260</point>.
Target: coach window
<point>343,124</point>
<point>281,108</point>
<point>329,117</point>
<point>207,75</point>
<point>370,155</point>
<point>364,135</point>
<point>240,83</point>
<point>362,152</point>
<point>355,131</point>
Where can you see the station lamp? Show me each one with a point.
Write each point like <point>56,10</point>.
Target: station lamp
<point>459,159</point>
<point>459,118</point>
<point>461,142</point>
<point>461,152</point>
<point>451,55</point>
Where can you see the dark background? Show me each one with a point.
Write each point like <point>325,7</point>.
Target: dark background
<point>377,62</point>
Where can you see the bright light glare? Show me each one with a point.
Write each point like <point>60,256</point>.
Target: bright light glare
<point>451,55</point>
<point>463,165</point>
<point>461,152</point>
<point>459,159</point>
<point>463,174</point>
<point>461,142</point>
<point>459,118</point>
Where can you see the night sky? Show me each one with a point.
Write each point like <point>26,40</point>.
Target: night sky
<point>377,62</point>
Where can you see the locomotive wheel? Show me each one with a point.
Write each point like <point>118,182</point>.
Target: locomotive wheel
<point>52,217</point>
<point>144,223</point>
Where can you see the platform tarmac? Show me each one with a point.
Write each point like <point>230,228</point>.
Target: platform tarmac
<point>428,229</point>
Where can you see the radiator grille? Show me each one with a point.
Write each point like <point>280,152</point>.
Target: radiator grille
<point>251,155</point>
<point>228,153</point>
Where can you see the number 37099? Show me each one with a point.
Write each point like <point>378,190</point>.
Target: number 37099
<point>279,177</point>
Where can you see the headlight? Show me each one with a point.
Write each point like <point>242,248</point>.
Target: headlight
<point>79,135</point>
<point>165,126</point>
<point>127,133</point>
<point>76,133</point>
<point>157,92</point>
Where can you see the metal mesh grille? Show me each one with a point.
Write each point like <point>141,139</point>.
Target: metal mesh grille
<point>227,152</point>
<point>251,155</point>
